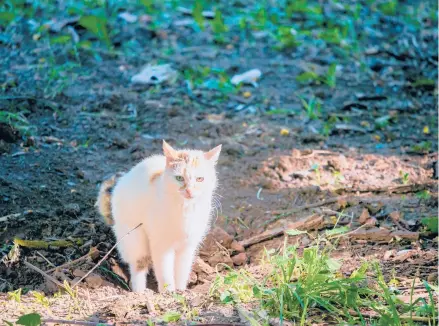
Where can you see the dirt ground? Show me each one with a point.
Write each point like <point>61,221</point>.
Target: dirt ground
<point>100,123</point>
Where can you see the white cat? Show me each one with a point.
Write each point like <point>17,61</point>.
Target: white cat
<point>171,195</point>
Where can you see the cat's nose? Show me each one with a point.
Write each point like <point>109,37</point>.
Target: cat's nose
<point>188,193</point>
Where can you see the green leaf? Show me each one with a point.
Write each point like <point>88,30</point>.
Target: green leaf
<point>307,77</point>
<point>96,25</point>
<point>29,320</point>
<point>431,223</point>
<point>63,39</point>
<point>171,316</point>
<point>226,297</point>
<point>330,75</point>
<point>197,13</point>
<point>333,264</point>
<point>424,194</point>
<point>8,323</point>
<point>218,26</point>
<point>6,17</point>
<point>339,230</point>
<point>295,232</point>
<point>149,5</point>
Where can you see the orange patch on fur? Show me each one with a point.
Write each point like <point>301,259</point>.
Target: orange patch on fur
<point>195,161</point>
<point>155,175</point>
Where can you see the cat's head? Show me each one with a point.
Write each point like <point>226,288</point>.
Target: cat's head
<point>192,171</point>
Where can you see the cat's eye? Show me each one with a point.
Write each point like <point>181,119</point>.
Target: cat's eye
<point>200,179</point>
<point>179,178</point>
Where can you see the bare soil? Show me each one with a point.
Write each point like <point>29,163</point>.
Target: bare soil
<point>87,132</point>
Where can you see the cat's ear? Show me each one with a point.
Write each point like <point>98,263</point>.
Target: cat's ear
<point>213,154</point>
<point>169,152</point>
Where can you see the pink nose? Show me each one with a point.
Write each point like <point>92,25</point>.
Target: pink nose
<point>188,193</point>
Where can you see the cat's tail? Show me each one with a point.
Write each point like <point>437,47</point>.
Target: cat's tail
<point>104,198</point>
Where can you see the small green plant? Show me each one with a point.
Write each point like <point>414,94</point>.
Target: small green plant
<point>286,37</point>
<point>388,7</point>
<point>431,224</point>
<point>382,122</point>
<point>316,168</point>
<point>41,299</point>
<point>197,13</point>
<point>98,26</point>
<point>424,194</point>
<point>422,147</point>
<point>312,107</point>
<point>405,177</point>
<point>17,121</point>
<point>171,317</point>
<point>15,295</point>
<point>218,27</point>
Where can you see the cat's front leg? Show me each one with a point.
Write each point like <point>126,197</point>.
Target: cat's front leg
<point>184,257</point>
<point>164,265</point>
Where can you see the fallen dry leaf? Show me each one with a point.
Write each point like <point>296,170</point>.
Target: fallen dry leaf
<point>249,77</point>
<point>155,75</point>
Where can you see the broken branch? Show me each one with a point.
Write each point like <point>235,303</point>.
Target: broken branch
<point>106,255</point>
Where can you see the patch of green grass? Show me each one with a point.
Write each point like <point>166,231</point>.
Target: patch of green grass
<point>422,147</point>
<point>431,224</point>
<point>17,121</point>
<point>296,286</point>
<point>329,78</point>
<point>312,107</point>
<point>405,177</point>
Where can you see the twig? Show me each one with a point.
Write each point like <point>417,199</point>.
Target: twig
<point>54,280</point>
<point>70,263</point>
<point>72,322</point>
<point>6,217</point>
<point>403,317</point>
<point>314,205</point>
<point>399,189</point>
<point>105,257</point>
<point>47,260</point>
<point>308,223</point>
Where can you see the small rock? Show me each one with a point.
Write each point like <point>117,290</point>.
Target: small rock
<point>388,254</point>
<point>120,143</point>
<point>219,260</point>
<point>395,216</point>
<point>374,207</point>
<point>201,267</point>
<point>217,235</point>
<point>236,246</point>
<point>94,280</point>
<point>240,259</point>
<point>341,204</point>
<point>193,278</point>
<point>78,273</point>
<point>72,209</point>
<point>197,301</point>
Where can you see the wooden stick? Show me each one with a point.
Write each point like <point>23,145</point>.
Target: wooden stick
<point>73,322</point>
<point>308,223</point>
<point>284,213</point>
<point>47,260</point>
<point>70,262</point>
<point>105,257</point>
<point>6,217</point>
<point>50,278</point>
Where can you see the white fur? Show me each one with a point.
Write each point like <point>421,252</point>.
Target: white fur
<point>173,226</point>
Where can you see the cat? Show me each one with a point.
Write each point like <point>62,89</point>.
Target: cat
<point>172,196</point>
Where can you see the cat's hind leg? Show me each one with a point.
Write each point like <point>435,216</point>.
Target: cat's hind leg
<point>134,249</point>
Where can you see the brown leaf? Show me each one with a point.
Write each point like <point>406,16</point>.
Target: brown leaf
<point>364,216</point>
